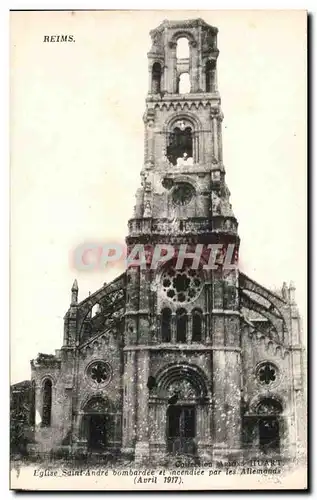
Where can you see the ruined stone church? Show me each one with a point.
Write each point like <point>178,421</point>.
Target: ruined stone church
<point>167,362</point>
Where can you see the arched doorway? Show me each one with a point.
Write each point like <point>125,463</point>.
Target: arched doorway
<point>96,424</point>
<point>269,411</point>
<point>181,408</point>
<point>181,418</point>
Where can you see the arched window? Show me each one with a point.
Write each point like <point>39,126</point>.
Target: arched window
<point>182,49</point>
<point>156,78</point>
<point>210,76</point>
<point>181,325</point>
<point>183,84</point>
<point>95,310</point>
<point>166,325</point>
<point>180,144</point>
<point>197,325</point>
<point>47,403</point>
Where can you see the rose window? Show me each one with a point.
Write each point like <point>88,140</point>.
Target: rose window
<point>182,285</point>
<point>267,374</point>
<point>183,193</point>
<point>99,373</point>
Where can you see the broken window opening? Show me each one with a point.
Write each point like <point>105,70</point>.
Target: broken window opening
<point>210,76</point>
<point>180,145</point>
<point>156,78</point>
<point>95,310</point>
<point>197,325</point>
<point>166,325</point>
<point>183,84</point>
<point>182,48</point>
<point>181,326</point>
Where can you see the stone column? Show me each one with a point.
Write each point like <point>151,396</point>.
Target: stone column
<point>76,430</point>
<point>159,328</point>
<point>215,137</point>
<point>203,431</point>
<point>194,74</point>
<point>129,401</point>
<point>173,328</point>
<point>150,77</point>
<point>202,73</point>
<point>142,369</point>
<point>142,447</point>
<point>150,139</point>
<point>208,314</point>
<point>226,390</point>
<point>164,78</point>
<point>189,329</point>
<point>219,135</point>
<point>195,147</point>
<point>171,68</point>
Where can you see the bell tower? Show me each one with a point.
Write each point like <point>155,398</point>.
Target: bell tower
<point>188,319</point>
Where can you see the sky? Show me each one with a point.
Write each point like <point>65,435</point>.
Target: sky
<point>77,150</point>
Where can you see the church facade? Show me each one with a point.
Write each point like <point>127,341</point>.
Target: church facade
<point>165,362</point>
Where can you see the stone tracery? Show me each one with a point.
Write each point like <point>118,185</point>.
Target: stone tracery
<point>182,285</point>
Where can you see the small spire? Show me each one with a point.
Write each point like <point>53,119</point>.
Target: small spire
<point>292,292</point>
<point>74,294</point>
<point>285,291</point>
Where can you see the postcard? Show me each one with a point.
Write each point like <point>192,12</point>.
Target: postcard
<point>158,250</point>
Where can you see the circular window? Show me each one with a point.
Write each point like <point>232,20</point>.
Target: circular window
<point>182,193</point>
<point>99,373</point>
<point>182,285</point>
<point>267,374</point>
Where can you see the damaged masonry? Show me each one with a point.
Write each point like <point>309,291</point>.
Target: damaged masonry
<point>164,363</point>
